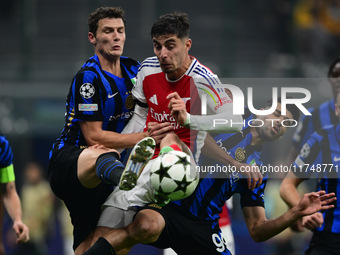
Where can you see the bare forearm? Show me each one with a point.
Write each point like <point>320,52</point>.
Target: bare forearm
<point>13,205</point>
<point>288,190</point>
<point>270,228</point>
<point>115,140</point>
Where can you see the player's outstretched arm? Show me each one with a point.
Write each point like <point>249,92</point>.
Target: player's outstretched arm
<point>261,229</point>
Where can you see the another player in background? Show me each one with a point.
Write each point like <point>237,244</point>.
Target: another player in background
<point>319,158</point>
<point>98,107</point>
<point>322,115</point>
<point>10,197</point>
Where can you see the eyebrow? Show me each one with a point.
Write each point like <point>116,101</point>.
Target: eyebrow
<point>167,41</point>
<point>109,27</point>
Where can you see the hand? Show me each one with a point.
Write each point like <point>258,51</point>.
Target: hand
<point>312,221</point>
<point>177,107</point>
<point>159,130</point>
<point>251,172</point>
<point>315,201</point>
<point>22,232</point>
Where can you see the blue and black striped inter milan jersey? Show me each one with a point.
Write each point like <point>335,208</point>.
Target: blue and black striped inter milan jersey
<point>6,155</point>
<point>207,201</point>
<point>320,158</point>
<point>97,95</point>
<point>321,116</point>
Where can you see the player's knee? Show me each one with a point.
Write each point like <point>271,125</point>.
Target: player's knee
<point>170,139</point>
<point>147,229</point>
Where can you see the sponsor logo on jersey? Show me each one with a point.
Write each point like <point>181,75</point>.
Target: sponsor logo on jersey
<point>88,107</point>
<point>153,99</point>
<point>87,90</point>
<point>122,116</point>
<point>164,117</point>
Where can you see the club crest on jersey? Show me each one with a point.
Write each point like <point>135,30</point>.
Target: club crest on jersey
<point>239,154</point>
<point>129,103</point>
<point>87,90</point>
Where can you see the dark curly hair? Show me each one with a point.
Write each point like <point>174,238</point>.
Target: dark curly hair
<point>171,24</point>
<point>102,13</point>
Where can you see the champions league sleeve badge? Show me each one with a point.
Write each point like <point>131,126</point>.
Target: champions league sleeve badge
<point>87,90</point>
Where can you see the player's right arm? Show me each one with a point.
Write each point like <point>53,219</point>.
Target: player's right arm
<point>261,229</point>
<point>88,112</point>
<point>94,134</point>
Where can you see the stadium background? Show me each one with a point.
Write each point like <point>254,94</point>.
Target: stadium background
<point>44,43</point>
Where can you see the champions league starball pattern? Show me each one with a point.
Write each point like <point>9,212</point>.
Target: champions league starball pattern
<point>87,90</point>
<point>173,176</point>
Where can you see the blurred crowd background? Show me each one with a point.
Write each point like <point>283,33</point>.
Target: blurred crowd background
<point>44,43</point>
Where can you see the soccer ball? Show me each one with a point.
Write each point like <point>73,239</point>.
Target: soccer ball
<point>173,176</point>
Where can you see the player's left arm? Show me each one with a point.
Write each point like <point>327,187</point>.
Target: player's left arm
<point>261,229</point>
<point>13,206</point>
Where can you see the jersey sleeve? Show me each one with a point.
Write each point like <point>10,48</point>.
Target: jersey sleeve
<point>310,155</point>
<point>6,161</point>
<point>304,130</point>
<point>86,98</point>
<point>137,90</point>
<point>250,197</point>
<point>218,110</point>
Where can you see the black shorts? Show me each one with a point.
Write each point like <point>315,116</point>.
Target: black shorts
<point>187,235</point>
<point>324,243</point>
<point>83,204</point>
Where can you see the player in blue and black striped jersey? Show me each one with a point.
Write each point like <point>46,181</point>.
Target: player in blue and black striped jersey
<point>319,158</point>
<point>322,115</point>
<point>9,194</point>
<point>98,106</point>
<point>190,226</point>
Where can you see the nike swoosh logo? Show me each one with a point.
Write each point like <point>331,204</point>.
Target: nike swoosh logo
<point>336,159</point>
<point>111,96</point>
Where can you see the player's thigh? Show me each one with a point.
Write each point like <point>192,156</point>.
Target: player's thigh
<point>86,165</point>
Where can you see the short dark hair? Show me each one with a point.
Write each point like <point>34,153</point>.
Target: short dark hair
<point>171,24</point>
<point>335,61</point>
<point>102,13</point>
<point>294,110</point>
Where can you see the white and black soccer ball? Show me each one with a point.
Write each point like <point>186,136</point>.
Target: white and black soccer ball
<point>173,176</point>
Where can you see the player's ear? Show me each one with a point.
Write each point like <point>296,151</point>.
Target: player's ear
<point>188,43</point>
<point>92,38</point>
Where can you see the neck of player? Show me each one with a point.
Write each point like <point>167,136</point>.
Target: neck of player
<point>111,65</point>
<point>178,74</point>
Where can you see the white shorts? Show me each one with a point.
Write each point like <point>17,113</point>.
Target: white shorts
<point>113,217</point>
